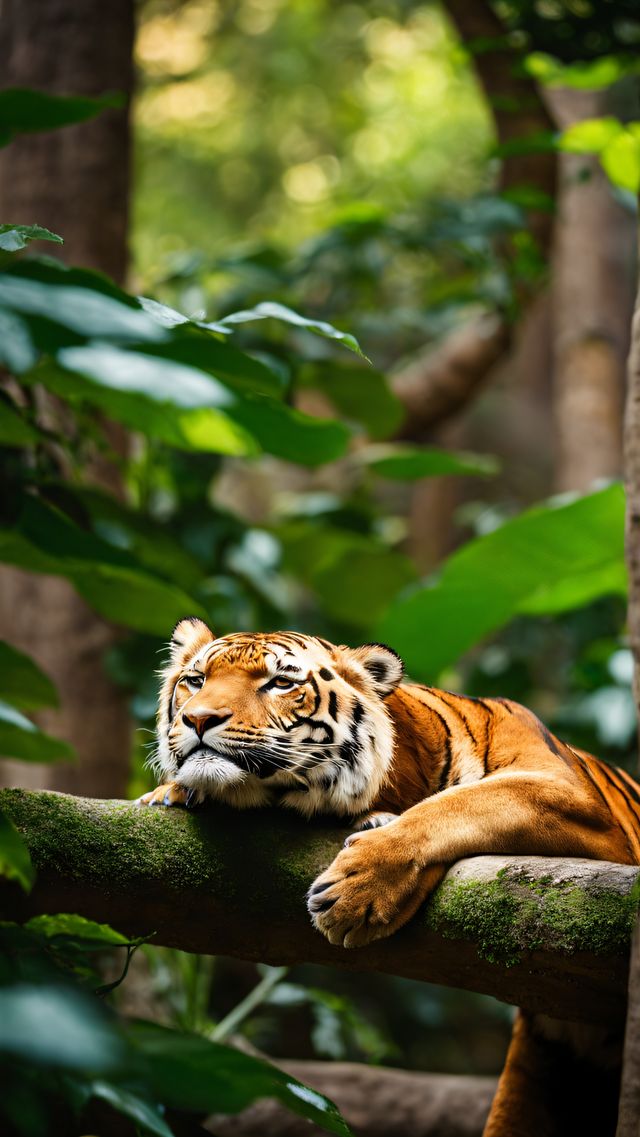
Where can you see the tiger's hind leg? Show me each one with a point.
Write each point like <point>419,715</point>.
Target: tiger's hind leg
<point>559,1080</point>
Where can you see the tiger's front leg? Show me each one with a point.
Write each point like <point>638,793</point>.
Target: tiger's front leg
<point>381,877</point>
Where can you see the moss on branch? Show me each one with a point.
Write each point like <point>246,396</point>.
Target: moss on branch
<point>549,934</point>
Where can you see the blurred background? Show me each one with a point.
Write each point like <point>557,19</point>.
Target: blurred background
<point>455,187</point>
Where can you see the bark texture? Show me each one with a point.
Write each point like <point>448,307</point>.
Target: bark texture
<point>629,1112</point>
<point>548,935</point>
<point>75,181</point>
<point>632,482</point>
<point>592,298</point>
<point>376,1102</point>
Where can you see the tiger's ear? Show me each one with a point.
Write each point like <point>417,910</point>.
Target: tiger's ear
<point>383,666</point>
<point>189,635</point>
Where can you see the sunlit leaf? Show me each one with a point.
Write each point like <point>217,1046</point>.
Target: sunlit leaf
<point>589,136</point>
<point>549,559</point>
<point>22,682</point>
<point>81,310</point>
<point>586,75</point>
<point>20,738</point>
<point>15,861</point>
<point>621,161</point>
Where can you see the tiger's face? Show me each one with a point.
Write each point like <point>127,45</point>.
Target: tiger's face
<point>259,718</point>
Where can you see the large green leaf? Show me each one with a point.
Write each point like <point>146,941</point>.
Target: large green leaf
<point>110,580</point>
<point>20,738</point>
<point>24,111</point>
<point>22,682</point>
<point>407,463</point>
<point>56,1027</point>
<point>551,558</point>
<point>85,311</point>
<point>269,310</point>
<point>188,1072</point>
<point>15,861</point>
<point>200,349</point>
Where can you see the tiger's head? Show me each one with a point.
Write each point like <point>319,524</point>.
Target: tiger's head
<point>259,718</point>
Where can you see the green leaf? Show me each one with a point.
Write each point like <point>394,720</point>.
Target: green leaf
<point>188,1072</point>
<point>356,587</point>
<point>621,161</point>
<point>219,360</point>
<point>143,1112</point>
<point>109,579</point>
<point>589,136</point>
<point>15,860</point>
<point>406,463</point>
<point>87,312</point>
<point>17,349</point>
<point>20,738</point>
<point>16,237</point>
<point>269,310</point>
<point>56,1027</point>
<point>22,682</point>
<point>360,394</point>
<point>71,927</point>
<point>204,429</point>
<point>14,429</point>
<point>586,75</point>
<point>24,111</point>
<point>290,434</point>
<point>171,318</point>
<point>549,559</point>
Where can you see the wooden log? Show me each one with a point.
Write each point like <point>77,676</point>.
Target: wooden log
<point>550,935</point>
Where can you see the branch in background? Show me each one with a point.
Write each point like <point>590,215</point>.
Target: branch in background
<point>550,935</point>
<point>440,382</point>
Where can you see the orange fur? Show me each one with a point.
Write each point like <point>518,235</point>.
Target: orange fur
<point>430,775</point>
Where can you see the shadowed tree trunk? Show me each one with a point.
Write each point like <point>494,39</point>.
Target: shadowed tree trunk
<point>74,181</point>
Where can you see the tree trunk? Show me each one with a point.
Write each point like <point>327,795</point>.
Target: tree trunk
<point>74,181</point>
<point>592,299</point>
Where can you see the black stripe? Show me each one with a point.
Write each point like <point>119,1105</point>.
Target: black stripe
<point>503,703</point>
<point>609,774</point>
<point>333,705</point>
<point>446,767</point>
<point>461,716</point>
<point>629,784</point>
<point>591,778</point>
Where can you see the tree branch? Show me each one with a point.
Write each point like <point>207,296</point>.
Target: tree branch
<point>549,935</point>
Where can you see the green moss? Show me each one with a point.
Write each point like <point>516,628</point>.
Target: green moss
<point>511,915</point>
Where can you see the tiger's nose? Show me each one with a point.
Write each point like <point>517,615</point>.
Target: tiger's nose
<point>205,721</point>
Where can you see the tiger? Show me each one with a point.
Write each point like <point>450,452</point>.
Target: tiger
<point>423,777</point>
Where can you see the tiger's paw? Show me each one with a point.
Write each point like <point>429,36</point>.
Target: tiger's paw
<point>169,794</point>
<point>370,890</point>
